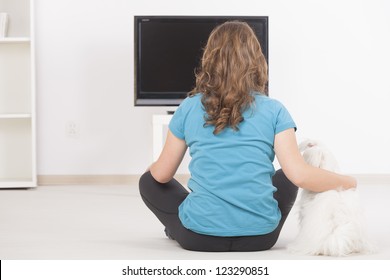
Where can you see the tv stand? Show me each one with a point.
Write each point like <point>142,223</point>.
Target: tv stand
<point>159,121</point>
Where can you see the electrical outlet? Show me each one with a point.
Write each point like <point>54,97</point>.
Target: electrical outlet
<point>72,129</point>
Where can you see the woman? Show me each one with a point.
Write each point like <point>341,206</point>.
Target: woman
<point>233,130</point>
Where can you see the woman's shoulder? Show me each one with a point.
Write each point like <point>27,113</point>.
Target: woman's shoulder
<point>189,104</point>
<point>265,100</point>
<point>191,101</point>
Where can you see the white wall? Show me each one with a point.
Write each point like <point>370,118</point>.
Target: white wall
<point>329,64</point>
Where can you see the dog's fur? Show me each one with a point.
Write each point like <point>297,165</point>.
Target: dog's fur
<point>330,221</point>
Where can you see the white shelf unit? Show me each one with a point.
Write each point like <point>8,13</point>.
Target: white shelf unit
<point>17,97</point>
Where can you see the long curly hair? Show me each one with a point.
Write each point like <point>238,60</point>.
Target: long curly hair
<point>232,67</point>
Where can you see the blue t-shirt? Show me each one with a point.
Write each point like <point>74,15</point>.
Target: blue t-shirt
<point>231,172</point>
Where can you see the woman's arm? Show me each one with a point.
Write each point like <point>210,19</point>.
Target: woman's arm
<point>169,160</point>
<point>302,174</point>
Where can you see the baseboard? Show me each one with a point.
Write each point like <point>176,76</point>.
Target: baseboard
<point>50,180</point>
<point>45,180</point>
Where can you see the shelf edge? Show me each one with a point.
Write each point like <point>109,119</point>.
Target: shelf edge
<point>15,116</point>
<point>15,40</point>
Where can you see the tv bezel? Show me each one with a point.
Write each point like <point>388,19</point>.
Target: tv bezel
<point>174,99</point>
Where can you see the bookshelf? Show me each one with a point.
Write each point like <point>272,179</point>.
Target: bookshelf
<point>17,97</point>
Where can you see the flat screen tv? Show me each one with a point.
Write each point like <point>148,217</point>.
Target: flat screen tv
<point>168,49</point>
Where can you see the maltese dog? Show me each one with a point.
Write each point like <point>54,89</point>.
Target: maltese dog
<point>331,221</point>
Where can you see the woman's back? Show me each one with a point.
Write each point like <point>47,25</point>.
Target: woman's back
<point>232,192</point>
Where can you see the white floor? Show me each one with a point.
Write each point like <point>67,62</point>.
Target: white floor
<point>111,222</point>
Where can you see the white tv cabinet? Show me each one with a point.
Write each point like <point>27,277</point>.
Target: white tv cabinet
<point>17,97</point>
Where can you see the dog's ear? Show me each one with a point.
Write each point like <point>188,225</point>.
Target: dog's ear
<point>314,156</point>
<point>320,157</point>
<point>307,144</point>
<point>328,161</point>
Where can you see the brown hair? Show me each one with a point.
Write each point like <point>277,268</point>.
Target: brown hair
<point>232,67</point>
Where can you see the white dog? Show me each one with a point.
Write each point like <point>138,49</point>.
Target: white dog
<point>330,221</point>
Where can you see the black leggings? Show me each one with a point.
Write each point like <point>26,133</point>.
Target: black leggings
<point>164,199</point>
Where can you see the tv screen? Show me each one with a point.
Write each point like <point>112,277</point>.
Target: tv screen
<point>168,50</point>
